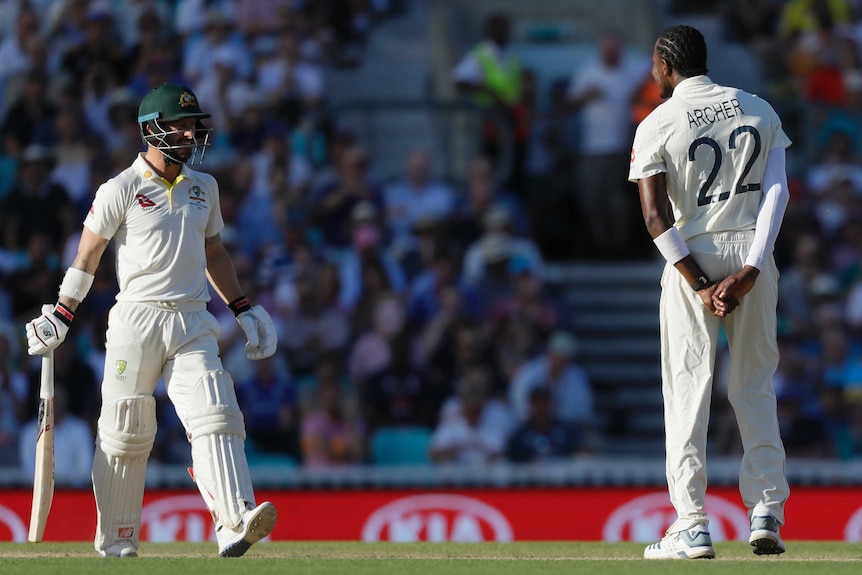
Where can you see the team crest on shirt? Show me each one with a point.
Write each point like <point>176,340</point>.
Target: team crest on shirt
<point>121,366</point>
<point>198,197</point>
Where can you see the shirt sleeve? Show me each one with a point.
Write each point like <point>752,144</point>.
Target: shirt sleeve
<point>215,224</point>
<point>647,151</point>
<point>108,210</point>
<point>467,70</point>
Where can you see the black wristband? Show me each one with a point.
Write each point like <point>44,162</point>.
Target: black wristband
<point>700,283</point>
<point>239,305</point>
<point>64,314</point>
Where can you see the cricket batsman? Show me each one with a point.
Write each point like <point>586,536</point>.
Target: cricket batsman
<point>165,219</point>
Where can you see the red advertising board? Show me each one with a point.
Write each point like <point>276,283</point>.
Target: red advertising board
<point>575,514</point>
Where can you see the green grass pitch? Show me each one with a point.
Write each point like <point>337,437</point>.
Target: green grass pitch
<point>735,558</point>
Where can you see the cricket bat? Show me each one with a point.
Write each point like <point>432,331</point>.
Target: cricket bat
<point>43,479</point>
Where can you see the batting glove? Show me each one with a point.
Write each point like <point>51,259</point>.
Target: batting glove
<point>47,331</point>
<point>259,331</point>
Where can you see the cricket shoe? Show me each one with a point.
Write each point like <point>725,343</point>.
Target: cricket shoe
<point>694,543</point>
<point>256,524</point>
<point>764,538</point>
<point>119,549</point>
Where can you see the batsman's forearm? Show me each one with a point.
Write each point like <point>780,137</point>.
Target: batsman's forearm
<point>222,275</point>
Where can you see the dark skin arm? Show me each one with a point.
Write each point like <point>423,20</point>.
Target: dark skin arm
<point>733,287</point>
<point>655,206</point>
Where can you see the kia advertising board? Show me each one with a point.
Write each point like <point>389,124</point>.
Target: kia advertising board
<point>588,514</point>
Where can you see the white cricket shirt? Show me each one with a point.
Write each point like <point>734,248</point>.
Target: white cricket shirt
<point>159,230</point>
<point>712,142</point>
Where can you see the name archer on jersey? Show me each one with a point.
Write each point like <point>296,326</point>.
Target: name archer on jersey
<point>711,114</point>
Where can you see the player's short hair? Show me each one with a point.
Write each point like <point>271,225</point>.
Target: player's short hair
<point>684,48</point>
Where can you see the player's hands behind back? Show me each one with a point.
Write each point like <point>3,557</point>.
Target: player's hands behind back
<point>730,290</point>
<point>259,331</point>
<point>45,332</point>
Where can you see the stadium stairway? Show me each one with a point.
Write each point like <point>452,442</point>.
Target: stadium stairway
<point>394,65</point>
<point>612,309</point>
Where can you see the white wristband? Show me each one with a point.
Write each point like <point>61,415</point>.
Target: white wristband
<point>671,245</point>
<point>76,284</point>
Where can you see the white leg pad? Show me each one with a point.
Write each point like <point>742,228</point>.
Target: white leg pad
<point>127,430</point>
<point>217,430</point>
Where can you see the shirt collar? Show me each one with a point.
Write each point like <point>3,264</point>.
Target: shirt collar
<point>146,171</point>
<point>692,83</point>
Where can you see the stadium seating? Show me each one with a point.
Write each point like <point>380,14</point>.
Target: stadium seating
<point>400,446</point>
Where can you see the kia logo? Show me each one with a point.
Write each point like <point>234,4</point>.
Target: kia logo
<point>437,517</point>
<point>646,518</point>
<point>180,518</point>
<point>853,529</point>
<point>10,523</point>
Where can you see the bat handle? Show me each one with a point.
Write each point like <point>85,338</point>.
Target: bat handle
<point>46,387</point>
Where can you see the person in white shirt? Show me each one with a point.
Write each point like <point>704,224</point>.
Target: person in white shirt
<point>567,382</point>
<point>709,163</point>
<point>416,197</point>
<point>473,426</point>
<point>165,220</point>
<point>601,93</point>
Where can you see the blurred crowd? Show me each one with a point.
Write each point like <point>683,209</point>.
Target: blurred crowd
<point>408,305</point>
<point>810,52</point>
<point>414,320</point>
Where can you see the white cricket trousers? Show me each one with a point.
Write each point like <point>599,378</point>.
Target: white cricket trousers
<point>689,338</point>
<point>145,341</point>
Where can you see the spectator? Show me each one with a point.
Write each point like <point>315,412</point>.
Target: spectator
<point>292,87</point>
<point>99,46</point>
<point>523,320</point>
<point>333,432</point>
<point>13,400</point>
<point>428,290</point>
<point>372,352</point>
<point>37,278</point>
<point>568,383</point>
<point>491,74</point>
<point>314,325</point>
<point>542,437</point>
<point>398,395</point>
<point>280,173</point>
<point>473,425</point>
<point>467,223</point>
<point>219,40</point>
<point>35,205</point>
<point>332,203</point>
<point>270,404</point>
<point>498,225</point>
<point>602,92</point>
<point>29,117</point>
<point>74,151</point>
<point>74,443</point>
<point>13,49</point>
<point>366,268</point>
<point>415,197</point>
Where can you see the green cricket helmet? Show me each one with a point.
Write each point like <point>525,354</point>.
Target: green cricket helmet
<point>165,104</point>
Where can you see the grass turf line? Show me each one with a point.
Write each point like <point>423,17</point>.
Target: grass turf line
<point>356,558</point>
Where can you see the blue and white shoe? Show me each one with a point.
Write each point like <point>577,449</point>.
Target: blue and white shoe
<point>765,538</point>
<point>694,543</point>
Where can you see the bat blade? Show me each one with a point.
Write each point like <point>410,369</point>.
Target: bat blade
<point>43,477</point>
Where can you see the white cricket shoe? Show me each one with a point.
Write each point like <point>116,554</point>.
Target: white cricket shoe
<point>765,538</point>
<point>694,543</point>
<point>119,549</point>
<point>256,524</point>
